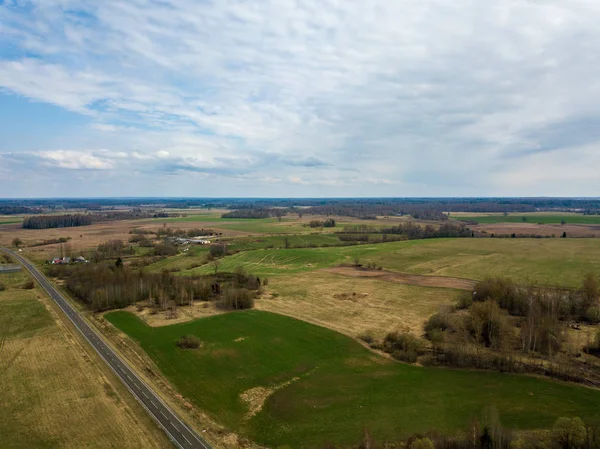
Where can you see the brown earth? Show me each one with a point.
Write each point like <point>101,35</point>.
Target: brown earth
<point>87,237</point>
<point>403,278</point>
<point>572,230</point>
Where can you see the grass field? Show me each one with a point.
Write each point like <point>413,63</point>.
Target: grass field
<point>355,305</point>
<point>541,218</point>
<point>54,394</point>
<point>561,262</point>
<point>329,388</point>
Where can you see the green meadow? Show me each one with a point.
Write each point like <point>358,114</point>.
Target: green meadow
<point>562,262</point>
<point>331,388</point>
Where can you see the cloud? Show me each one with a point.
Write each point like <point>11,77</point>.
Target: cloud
<point>376,97</point>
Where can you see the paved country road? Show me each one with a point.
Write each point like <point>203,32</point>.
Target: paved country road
<point>180,433</point>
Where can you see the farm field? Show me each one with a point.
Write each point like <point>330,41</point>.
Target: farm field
<point>353,305</point>
<point>317,377</point>
<point>561,262</point>
<point>55,393</point>
<point>536,217</point>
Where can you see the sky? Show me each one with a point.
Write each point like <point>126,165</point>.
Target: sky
<point>306,98</point>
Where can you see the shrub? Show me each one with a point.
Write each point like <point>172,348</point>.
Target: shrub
<point>422,443</point>
<point>2,287</point>
<point>28,284</point>
<point>402,346</point>
<point>236,299</point>
<point>188,342</point>
<point>163,249</point>
<point>592,314</point>
<point>367,337</point>
<point>436,323</point>
<point>218,250</point>
<point>464,300</point>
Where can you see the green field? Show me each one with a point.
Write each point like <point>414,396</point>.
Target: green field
<point>562,262</point>
<point>341,387</point>
<point>534,218</point>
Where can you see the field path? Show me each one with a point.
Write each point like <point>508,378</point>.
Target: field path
<point>404,278</point>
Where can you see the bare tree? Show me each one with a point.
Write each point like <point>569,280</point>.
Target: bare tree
<point>216,264</point>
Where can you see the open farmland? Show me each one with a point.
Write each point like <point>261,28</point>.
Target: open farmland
<point>541,218</point>
<point>355,305</point>
<point>55,393</point>
<point>561,262</point>
<point>318,377</point>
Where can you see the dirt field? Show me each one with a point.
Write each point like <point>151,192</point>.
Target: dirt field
<point>572,230</point>
<point>353,305</point>
<point>403,278</point>
<point>87,237</point>
<point>57,393</point>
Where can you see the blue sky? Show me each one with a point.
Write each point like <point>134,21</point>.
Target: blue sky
<point>299,98</point>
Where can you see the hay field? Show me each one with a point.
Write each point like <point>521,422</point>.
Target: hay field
<point>57,393</point>
<point>354,305</point>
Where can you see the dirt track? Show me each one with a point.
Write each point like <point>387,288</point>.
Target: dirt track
<point>403,278</point>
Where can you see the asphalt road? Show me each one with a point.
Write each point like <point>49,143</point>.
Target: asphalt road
<point>180,433</point>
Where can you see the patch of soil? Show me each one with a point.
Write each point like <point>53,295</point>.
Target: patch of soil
<point>404,278</point>
<point>256,397</point>
<point>354,297</point>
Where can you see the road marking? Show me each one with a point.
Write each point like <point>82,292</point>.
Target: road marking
<point>188,441</point>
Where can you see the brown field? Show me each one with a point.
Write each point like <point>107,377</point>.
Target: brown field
<point>58,393</point>
<point>572,230</point>
<point>88,237</point>
<point>353,305</point>
<point>403,278</point>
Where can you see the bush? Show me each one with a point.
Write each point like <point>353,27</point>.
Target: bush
<point>218,250</point>
<point>402,346</point>
<point>2,287</point>
<point>438,322</point>
<point>236,299</point>
<point>592,315</point>
<point>464,300</point>
<point>367,337</point>
<point>163,249</point>
<point>188,342</point>
<point>28,284</point>
<point>422,443</point>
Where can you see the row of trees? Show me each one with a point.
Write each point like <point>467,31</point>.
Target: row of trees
<point>108,285</point>
<point>489,433</point>
<point>73,220</point>
<point>519,328</point>
<point>406,231</point>
<point>57,221</point>
<point>255,213</point>
<point>329,223</point>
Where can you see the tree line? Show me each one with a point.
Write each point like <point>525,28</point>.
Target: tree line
<point>515,327</point>
<point>107,285</point>
<point>489,433</point>
<point>73,220</point>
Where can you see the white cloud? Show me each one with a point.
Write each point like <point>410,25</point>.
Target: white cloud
<point>74,160</point>
<point>428,97</point>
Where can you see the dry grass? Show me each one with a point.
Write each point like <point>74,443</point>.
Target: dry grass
<point>404,278</point>
<point>186,313</point>
<point>87,237</point>
<point>572,230</point>
<point>380,306</point>
<point>57,393</point>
